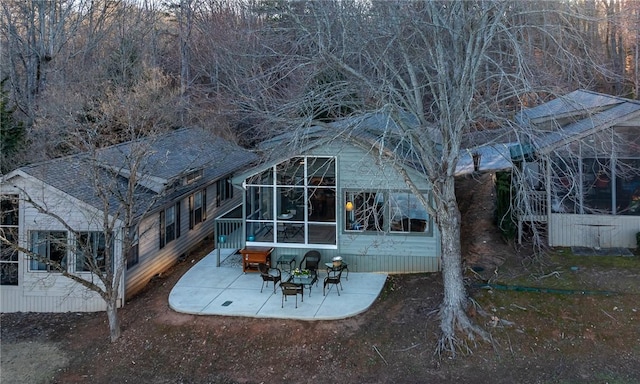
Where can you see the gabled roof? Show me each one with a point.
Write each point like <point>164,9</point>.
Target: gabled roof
<point>166,158</point>
<point>577,115</point>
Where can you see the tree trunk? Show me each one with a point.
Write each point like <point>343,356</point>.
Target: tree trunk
<point>114,321</point>
<point>453,315</point>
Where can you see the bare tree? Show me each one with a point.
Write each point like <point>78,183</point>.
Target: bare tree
<point>438,70</point>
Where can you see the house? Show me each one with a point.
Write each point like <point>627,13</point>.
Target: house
<point>322,191</point>
<point>181,182</point>
<point>580,170</point>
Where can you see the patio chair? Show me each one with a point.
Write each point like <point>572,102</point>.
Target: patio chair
<point>333,279</point>
<point>269,274</point>
<point>291,289</point>
<point>311,261</point>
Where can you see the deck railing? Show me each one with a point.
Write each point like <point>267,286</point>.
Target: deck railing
<point>228,233</point>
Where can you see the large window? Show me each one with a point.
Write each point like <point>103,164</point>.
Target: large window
<point>293,202</point>
<point>197,208</point>
<point>386,211</point>
<point>9,216</point>
<point>51,248</point>
<point>169,224</point>
<point>91,251</point>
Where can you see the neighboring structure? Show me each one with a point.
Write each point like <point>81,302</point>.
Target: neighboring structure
<point>332,195</point>
<point>182,183</point>
<point>582,170</point>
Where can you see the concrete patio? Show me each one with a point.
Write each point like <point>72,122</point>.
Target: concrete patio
<point>209,290</point>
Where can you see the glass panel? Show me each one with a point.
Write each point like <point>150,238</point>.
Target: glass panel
<point>322,203</point>
<point>596,181</point>
<point>260,203</point>
<point>322,171</point>
<point>407,213</point>
<point>322,234</point>
<point>291,202</point>
<point>170,227</point>
<point>58,248</point>
<point>628,187</point>
<point>264,178</point>
<point>7,252</point>
<point>9,274</point>
<point>291,172</point>
<point>366,211</point>
<point>288,232</point>
<point>9,210</point>
<point>629,142</point>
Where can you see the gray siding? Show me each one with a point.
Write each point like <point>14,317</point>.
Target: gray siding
<point>369,252</point>
<point>153,260</point>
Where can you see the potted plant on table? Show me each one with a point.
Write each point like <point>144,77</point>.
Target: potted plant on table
<point>301,272</point>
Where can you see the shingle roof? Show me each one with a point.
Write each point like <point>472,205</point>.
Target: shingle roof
<point>590,112</point>
<point>166,157</point>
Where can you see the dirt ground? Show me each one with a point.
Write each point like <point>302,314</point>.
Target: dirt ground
<point>536,337</point>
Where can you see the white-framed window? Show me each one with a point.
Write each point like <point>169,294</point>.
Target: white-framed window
<point>51,250</point>
<point>9,225</point>
<point>91,248</point>
<point>197,208</point>
<point>169,224</point>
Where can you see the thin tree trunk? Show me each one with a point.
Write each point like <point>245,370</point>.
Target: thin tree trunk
<point>114,321</point>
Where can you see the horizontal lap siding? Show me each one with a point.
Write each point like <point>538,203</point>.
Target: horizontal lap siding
<point>153,260</point>
<point>603,231</point>
<point>44,291</point>
<point>391,253</point>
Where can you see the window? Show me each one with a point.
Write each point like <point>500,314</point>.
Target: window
<point>364,211</point>
<point>51,250</point>
<point>385,211</point>
<point>9,224</point>
<point>193,176</point>
<point>407,214</point>
<point>197,208</point>
<point>224,190</point>
<point>91,250</point>
<point>132,253</point>
<point>169,224</point>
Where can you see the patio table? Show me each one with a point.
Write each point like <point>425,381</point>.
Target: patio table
<point>285,260</point>
<point>337,268</point>
<point>305,281</point>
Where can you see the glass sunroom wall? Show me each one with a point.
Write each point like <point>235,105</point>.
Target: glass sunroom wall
<point>302,202</point>
<point>259,207</point>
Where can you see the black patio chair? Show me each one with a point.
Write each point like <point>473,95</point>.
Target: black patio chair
<point>311,261</point>
<point>269,274</point>
<point>333,279</point>
<point>291,289</point>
